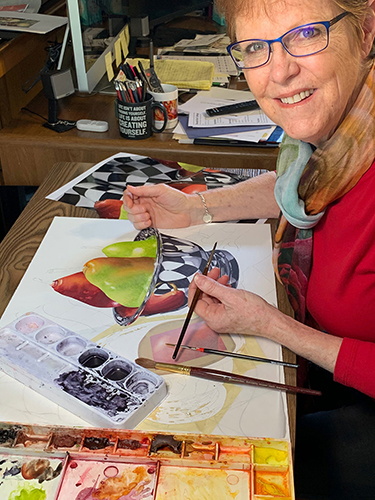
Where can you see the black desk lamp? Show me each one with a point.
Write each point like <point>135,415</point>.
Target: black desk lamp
<point>56,85</point>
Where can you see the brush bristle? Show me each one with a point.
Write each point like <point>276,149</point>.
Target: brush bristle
<point>145,363</point>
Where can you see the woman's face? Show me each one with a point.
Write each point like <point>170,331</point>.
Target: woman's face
<point>334,76</point>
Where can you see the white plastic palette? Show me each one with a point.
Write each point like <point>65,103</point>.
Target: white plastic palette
<point>92,382</point>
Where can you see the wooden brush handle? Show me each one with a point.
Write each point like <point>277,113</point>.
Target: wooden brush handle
<point>232,378</point>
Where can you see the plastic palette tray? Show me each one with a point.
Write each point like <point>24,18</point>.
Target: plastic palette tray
<point>92,382</point>
<point>115,463</point>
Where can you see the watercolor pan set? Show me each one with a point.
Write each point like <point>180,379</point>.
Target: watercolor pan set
<point>90,381</point>
<point>61,463</point>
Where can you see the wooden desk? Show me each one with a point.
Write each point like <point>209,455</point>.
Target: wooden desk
<point>20,244</point>
<point>28,150</point>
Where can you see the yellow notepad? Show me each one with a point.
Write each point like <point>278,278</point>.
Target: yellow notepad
<point>183,74</point>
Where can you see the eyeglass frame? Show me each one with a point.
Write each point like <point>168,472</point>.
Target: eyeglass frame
<point>326,24</point>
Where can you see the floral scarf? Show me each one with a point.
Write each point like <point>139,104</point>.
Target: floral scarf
<point>308,181</point>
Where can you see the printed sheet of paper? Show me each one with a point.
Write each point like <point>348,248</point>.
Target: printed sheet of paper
<point>202,120</point>
<point>192,404</point>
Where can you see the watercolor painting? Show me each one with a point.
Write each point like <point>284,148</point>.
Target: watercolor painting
<point>192,405</point>
<point>147,276</point>
<point>102,186</point>
<point>17,22</point>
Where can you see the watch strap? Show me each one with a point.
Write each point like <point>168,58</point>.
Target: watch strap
<point>207,217</point>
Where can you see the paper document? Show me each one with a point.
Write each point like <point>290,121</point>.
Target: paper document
<point>199,41</point>
<point>198,132</point>
<point>256,117</point>
<point>202,44</point>
<point>249,136</point>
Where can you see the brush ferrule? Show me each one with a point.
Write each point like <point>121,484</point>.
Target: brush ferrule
<point>185,370</point>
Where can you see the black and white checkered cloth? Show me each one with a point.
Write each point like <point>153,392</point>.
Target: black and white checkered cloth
<point>110,180</point>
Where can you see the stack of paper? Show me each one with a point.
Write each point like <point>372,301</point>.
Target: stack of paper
<point>250,126</point>
<point>208,48</point>
<point>224,66</point>
<point>202,44</point>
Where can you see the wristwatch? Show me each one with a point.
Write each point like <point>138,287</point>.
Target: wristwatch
<point>207,217</point>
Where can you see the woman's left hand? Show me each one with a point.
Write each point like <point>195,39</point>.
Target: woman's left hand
<point>228,310</point>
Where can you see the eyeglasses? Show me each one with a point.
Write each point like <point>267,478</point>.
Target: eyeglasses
<point>302,41</point>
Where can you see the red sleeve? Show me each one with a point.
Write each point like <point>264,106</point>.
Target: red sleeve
<point>355,365</point>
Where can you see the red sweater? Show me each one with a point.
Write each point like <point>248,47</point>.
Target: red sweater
<point>341,290</point>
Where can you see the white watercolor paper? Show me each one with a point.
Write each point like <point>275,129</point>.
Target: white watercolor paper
<point>192,405</point>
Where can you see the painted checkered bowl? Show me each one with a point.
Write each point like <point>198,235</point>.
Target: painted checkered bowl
<point>177,261</point>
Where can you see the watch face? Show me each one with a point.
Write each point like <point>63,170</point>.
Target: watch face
<point>207,218</point>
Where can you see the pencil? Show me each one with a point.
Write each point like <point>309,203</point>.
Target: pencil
<point>192,307</point>
<point>221,376</point>
<point>236,355</point>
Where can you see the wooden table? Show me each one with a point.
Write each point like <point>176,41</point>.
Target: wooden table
<point>28,150</point>
<point>20,244</point>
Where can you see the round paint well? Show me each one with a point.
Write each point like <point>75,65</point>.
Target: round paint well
<point>49,335</point>
<point>141,383</point>
<point>71,346</point>
<point>92,358</point>
<point>111,471</point>
<point>29,324</point>
<point>116,370</point>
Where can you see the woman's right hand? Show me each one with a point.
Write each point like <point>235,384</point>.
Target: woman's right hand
<point>158,206</point>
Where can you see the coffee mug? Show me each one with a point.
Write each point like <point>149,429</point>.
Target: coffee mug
<point>136,119</point>
<point>169,99</point>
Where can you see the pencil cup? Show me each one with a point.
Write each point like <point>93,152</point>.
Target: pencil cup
<point>136,120</point>
<point>169,100</point>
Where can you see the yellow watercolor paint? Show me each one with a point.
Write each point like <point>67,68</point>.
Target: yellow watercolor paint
<point>272,483</point>
<point>270,456</point>
<point>183,483</point>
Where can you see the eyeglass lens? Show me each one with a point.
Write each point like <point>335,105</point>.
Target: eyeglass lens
<point>301,41</point>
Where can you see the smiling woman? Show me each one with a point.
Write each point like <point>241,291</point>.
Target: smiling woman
<point>309,65</point>
<point>305,69</point>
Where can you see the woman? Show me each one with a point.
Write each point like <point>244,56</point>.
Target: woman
<point>308,64</point>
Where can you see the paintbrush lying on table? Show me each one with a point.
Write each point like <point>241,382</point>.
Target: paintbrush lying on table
<point>220,376</point>
<point>236,355</point>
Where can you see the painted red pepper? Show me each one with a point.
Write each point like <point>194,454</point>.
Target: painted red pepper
<point>78,287</point>
<point>157,304</point>
<point>108,209</point>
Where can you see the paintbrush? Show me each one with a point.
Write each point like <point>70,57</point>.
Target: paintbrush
<point>220,376</point>
<point>192,307</point>
<point>236,355</point>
